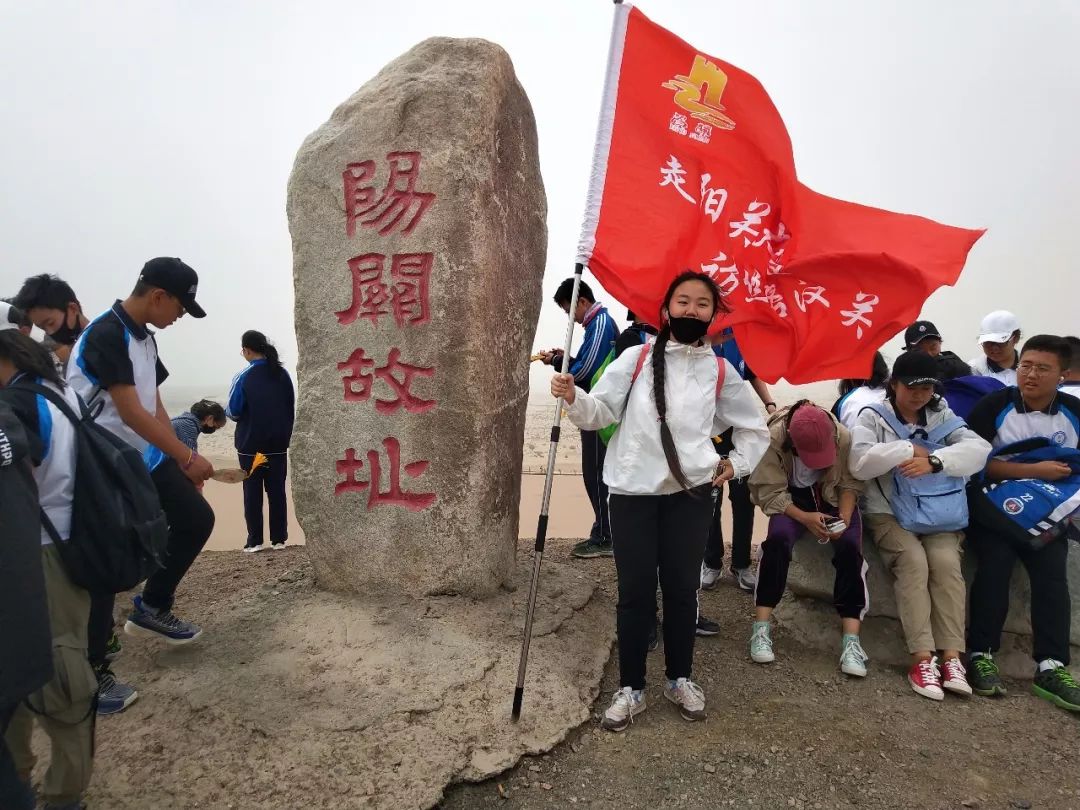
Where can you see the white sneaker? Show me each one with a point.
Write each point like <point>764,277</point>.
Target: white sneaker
<point>853,659</point>
<point>710,576</point>
<point>761,651</point>
<point>688,696</point>
<point>277,546</point>
<point>626,704</point>
<point>253,549</point>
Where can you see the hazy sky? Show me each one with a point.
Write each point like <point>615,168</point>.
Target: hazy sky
<point>137,129</point>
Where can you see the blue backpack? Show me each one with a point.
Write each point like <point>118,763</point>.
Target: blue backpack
<point>1029,511</point>
<point>930,503</point>
<point>963,392</point>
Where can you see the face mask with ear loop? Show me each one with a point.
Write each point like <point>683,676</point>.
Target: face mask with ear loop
<point>688,330</point>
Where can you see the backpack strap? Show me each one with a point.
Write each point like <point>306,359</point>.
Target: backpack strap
<point>721,368</point>
<point>942,431</point>
<point>645,348</point>
<point>721,372</point>
<point>889,418</point>
<point>61,404</point>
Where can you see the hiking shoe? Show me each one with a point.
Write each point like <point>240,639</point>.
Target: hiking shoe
<point>710,576</point>
<point>688,696</point>
<point>705,627</point>
<point>853,658</point>
<point>761,651</point>
<point>588,549</point>
<point>626,704</point>
<point>1059,687</point>
<point>654,636</point>
<point>985,677</point>
<point>113,648</point>
<point>113,696</point>
<point>145,620</point>
<point>278,546</point>
<point>925,678</point>
<point>954,677</point>
<point>253,549</point>
<point>745,579</point>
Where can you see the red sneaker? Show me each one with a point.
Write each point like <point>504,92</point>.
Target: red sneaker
<point>925,679</point>
<point>954,677</point>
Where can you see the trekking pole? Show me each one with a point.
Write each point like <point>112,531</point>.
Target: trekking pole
<point>541,524</point>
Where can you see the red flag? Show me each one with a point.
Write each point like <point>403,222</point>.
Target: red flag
<point>694,169</point>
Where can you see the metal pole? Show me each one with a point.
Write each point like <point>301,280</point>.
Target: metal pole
<point>541,525</point>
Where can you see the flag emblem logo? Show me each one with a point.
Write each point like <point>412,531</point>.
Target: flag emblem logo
<point>699,93</point>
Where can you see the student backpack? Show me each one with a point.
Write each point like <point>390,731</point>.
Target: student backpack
<point>930,503</point>
<point>118,529</point>
<point>1030,512</point>
<point>963,392</point>
<point>609,431</point>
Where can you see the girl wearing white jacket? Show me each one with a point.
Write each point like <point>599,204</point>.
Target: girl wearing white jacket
<point>929,585</point>
<point>659,469</point>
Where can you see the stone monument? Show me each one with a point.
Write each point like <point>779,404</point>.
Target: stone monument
<point>417,215</point>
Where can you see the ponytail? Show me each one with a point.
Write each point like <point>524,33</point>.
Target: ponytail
<point>28,356</point>
<point>257,342</point>
<point>660,398</point>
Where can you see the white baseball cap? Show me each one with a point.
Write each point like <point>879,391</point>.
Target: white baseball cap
<point>6,316</point>
<point>998,327</point>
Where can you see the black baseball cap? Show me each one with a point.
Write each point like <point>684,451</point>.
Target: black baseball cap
<point>918,331</point>
<point>175,278</point>
<point>915,368</point>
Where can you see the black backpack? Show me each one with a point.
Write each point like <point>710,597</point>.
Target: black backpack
<point>118,530</point>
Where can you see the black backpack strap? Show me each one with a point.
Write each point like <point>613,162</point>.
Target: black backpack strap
<point>56,399</point>
<point>49,528</point>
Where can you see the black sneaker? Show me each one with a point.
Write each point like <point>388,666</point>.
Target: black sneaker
<point>593,548</point>
<point>1059,687</point>
<point>985,677</point>
<point>706,627</point>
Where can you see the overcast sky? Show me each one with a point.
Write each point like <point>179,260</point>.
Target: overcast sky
<point>138,129</point>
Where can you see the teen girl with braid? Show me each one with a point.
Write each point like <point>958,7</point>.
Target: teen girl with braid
<point>659,469</point>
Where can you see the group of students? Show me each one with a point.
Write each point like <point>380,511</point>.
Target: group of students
<point>890,456</point>
<point>109,368</point>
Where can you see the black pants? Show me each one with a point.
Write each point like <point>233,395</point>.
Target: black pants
<point>271,478</point>
<point>742,527</point>
<point>101,627</point>
<point>665,532</point>
<point>593,453</point>
<point>14,793</point>
<point>1051,611</point>
<point>191,520</point>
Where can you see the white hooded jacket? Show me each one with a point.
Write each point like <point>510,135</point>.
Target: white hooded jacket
<point>635,463</point>
<point>876,450</point>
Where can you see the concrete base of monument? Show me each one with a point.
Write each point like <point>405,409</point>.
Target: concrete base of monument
<point>295,697</point>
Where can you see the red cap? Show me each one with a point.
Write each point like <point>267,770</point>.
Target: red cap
<point>814,436</point>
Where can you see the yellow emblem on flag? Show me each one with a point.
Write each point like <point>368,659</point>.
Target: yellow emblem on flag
<point>699,93</point>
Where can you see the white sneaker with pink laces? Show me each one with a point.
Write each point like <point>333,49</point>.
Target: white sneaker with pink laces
<point>954,677</point>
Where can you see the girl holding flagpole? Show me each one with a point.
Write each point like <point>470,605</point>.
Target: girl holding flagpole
<point>669,399</point>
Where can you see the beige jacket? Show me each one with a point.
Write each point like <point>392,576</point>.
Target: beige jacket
<point>771,479</point>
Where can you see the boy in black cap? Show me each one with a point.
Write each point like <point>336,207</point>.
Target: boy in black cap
<point>923,336</point>
<point>115,362</point>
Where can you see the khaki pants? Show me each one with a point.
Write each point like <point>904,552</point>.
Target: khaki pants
<point>65,706</point>
<point>929,586</point>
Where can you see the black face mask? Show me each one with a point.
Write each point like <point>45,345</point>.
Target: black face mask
<point>67,335</point>
<point>207,429</point>
<point>688,330</point>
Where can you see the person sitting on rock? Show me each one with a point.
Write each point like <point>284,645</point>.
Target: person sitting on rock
<point>929,585</point>
<point>923,336</point>
<point>857,394</point>
<point>805,487</point>
<point>660,485</point>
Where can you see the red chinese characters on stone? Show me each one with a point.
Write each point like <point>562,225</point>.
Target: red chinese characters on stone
<point>406,296</point>
<point>387,210</point>
<point>350,466</point>
<point>358,381</point>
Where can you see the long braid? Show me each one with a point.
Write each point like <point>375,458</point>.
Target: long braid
<point>660,398</point>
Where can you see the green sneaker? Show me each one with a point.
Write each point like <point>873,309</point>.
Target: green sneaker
<point>1058,686</point>
<point>593,548</point>
<point>113,648</point>
<point>985,677</point>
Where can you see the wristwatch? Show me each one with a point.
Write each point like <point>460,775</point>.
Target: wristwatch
<point>935,464</point>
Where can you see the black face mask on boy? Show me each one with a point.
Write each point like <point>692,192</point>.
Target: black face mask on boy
<point>688,330</point>
<point>67,335</point>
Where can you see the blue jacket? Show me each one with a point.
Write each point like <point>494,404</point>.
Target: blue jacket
<point>262,403</point>
<point>600,336</point>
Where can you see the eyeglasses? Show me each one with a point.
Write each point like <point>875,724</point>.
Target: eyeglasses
<point>1030,369</point>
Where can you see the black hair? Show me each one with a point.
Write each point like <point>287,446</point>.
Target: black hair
<point>142,289</point>
<point>257,342</point>
<point>207,407</point>
<point>879,375</point>
<point>566,289</point>
<point>1051,344</point>
<point>658,368</point>
<point>630,316</point>
<point>1074,351</point>
<point>46,292</point>
<point>29,356</point>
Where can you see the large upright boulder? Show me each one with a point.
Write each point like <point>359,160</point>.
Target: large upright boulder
<point>417,215</point>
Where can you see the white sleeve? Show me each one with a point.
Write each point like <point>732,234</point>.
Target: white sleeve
<point>966,452</point>
<point>737,407</point>
<point>607,401</point>
<point>870,456</point>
